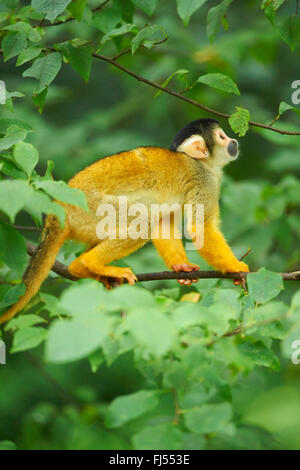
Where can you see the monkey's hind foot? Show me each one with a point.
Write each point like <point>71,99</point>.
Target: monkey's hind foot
<point>112,276</point>
<point>187,268</point>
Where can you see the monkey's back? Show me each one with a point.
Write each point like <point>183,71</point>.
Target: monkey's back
<point>147,175</point>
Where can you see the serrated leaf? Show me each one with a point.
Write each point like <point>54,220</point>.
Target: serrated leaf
<point>220,82</point>
<point>264,285</point>
<point>28,338</point>
<point>63,192</point>
<point>13,197</point>
<point>289,29</point>
<point>24,321</point>
<point>44,69</point>
<point>107,19</point>
<point>15,253</point>
<point>208,418</point>
<point>26,155</point>
<point>76,8</point>
<point>239,121</point>
<point>29,54</point>
<point>71,340</point>
<point>215,17</point>
<point>186,8</point>
<point>51,8</point>
<point>124,29</point>
<point>259,354</point>
<point>143,34</point>
<point>6,123</point>
<point>10,294</point>
<point>165,436</point>
<point>12,44</point>
<point>148,6</point>
<point>80,58</point>
<point>153,330</point>
<point>14,134</point>
<point>128,407</point>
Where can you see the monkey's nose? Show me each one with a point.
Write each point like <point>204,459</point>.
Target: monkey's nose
<point>233,148</point>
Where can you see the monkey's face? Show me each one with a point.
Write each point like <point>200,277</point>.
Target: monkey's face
<point>204,139</point>
<point>225,149</point>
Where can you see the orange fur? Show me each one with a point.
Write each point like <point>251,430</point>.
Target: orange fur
<point>150,175</point>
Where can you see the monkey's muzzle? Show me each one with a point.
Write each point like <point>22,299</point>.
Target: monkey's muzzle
<point>233,148</point>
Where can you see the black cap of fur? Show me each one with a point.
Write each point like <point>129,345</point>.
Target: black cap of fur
<point>203,127</point>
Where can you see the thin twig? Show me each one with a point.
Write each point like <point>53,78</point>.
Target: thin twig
<point>62,270</point>
<point>176,94</point>
<point>242,328</point>
<point>184,98</point>
<point>50,379</point>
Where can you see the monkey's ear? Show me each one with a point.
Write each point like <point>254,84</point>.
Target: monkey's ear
<point>195,147</point>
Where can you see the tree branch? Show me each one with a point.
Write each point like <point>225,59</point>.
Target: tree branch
<point>184,98</point>
<point>62,270</point>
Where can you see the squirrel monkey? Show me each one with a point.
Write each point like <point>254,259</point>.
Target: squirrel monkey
<point>189,173</point>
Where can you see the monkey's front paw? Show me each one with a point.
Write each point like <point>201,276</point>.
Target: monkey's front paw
<point>186,268</point>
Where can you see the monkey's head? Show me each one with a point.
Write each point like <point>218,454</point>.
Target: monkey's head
<point>205,139</point>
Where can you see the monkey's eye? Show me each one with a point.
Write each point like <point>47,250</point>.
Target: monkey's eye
<point>222,136</point>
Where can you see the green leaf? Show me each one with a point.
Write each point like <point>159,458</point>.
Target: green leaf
<point>259,354</point>
<point>19,26</point>
<point>208,418</point>
<point>270,7</point>
<point>13,197</point>
<point>76,8</point>
<point>220,82</point>
<point>39,203</point>
<point>7,445</point>
<point>63,192</point>
<point>27,156</point>
<point>289,29</point>
<point>148,6</point>
<point>10,295</point>
<point>15,253</point>
<point>107,19</point>
<point>80,58</point>
<point>283,107</point>
<point>128,407</point>
<point>165,436</point>
<point>28,54</point>
<point>24,321</point>
<point>44,69</point>
<point>51,8</point>
<point>153,330</point>
<point>214,19</point>
<point>39,100</point>
<point>14,134</point>
<point>239,121</point>
<point>5,123</point>
<point>143,34</point>
<point>12,44</point>
<point>124,29</point>
<point>264,285</point>
<point>186,8</point>
<point>179,72</point>
<point>96,359</point>
<point>71,340</point>
<point>28,338</point>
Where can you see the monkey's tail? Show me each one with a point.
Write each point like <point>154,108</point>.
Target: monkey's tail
<point>52,239</point>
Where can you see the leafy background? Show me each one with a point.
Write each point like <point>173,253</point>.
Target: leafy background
<point>149,366</point>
